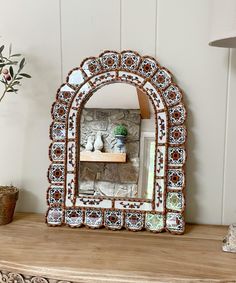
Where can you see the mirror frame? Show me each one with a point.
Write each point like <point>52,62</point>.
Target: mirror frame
<point>166,210</point>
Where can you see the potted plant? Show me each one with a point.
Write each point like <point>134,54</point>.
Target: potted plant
<point>11,74</point>
<point>8,197</point>
<point>120,133</point>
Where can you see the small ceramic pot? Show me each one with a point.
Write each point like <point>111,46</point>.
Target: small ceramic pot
<point>120,143</point>
<point>8,198</point>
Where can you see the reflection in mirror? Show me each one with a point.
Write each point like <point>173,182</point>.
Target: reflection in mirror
<point>114,162</point>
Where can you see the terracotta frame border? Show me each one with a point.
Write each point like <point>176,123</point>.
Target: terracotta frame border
<point>65,205</point>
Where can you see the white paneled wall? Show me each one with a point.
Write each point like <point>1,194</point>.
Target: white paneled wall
<point>201,71</point>
<point>55,36</point>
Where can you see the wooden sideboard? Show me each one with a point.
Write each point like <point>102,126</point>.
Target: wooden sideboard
<point>31,252</point>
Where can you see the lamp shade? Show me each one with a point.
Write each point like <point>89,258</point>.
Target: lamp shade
<point>223,23</point>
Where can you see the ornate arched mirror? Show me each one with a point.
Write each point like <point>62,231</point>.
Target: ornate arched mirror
<point>105,170</point>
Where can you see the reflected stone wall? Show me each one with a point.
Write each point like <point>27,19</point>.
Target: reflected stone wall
<point>110,179</point>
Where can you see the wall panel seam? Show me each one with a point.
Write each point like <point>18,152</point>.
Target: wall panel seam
<point>157,27</point>
<point>156,13</point>
<point>120,25</point>
<point>61,52</point>
<point>226,138</point>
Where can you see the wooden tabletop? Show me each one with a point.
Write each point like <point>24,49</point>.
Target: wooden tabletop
<point>28,246</point>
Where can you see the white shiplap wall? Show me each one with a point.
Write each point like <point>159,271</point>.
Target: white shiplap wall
<point>56,36</point>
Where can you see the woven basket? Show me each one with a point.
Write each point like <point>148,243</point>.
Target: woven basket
<point>8,197</point>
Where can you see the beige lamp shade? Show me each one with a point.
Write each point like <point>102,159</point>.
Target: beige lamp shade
<point>223,23</point>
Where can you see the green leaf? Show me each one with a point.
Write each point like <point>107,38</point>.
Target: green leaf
<point>11,71</point>
<point>16,83</point>
<point>25,75</point>
<point>1,48</point>
<point>15,55</point>
<point>22,62</point>
<point>12,89</point>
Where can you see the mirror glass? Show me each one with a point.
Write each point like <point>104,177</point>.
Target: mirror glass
<point>116,145</point>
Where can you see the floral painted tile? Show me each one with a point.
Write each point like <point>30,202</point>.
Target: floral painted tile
<point>55,216</point>
<point>176,156</point>
<point>154,222</point>
<point>175,179</point>
<point>175,201</point>
<point>109,60</point>
<point>134,221</point>
<point>56,195</point>
<point>175,222</point>
<point>93,218</point>
<point>114,219</point>
<point>74,217</point>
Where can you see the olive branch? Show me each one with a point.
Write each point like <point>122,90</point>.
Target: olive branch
<point>11,74</point>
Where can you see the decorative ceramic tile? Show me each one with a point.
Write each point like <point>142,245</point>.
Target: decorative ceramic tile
<point>175,179</point>
<point>56,195</point>
<point>71,124</point>
<point>57,131</point>
<point>70,156</point>
<point>161,161</point>
<point>148,67</point>
<point>93,202</point>
<point>74,217</point>
<point>57,151</point>
<point>130,61</point>
<point>81,95</point>
<point>134,221</point>
<point>76,77</point>
<point>56,173</point>
<point>161,127</point>
<point>91,66</point>
<point>133,205</point>
<point>159,195</point>
<point>154,95</point>
<point>172,95</point>
<point>114,219</point>
<point>65,93</point>
<point>177,114</point>
<point>176,156</point>
<point>162,79</point>
<point>175,222</point>
<point>93,218</point>
<point>175,201</point>
<point>131,78</point>
<point>70,188</point>
<point>54,216</point>
<point>109,60</point>
<point>65,96</point>
<point>66,88</point>
<point>154,222</point>
<point>59,111</point>
<point>102,79</point>
<point>177,135</point>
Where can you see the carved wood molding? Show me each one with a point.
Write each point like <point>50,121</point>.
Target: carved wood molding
<point>11,277</point>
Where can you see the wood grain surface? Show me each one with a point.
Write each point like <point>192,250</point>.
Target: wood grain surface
<point>102,157</point>
<point>28,246</point>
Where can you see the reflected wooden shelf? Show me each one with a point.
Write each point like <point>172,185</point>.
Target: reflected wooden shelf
<point>102,157</point>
